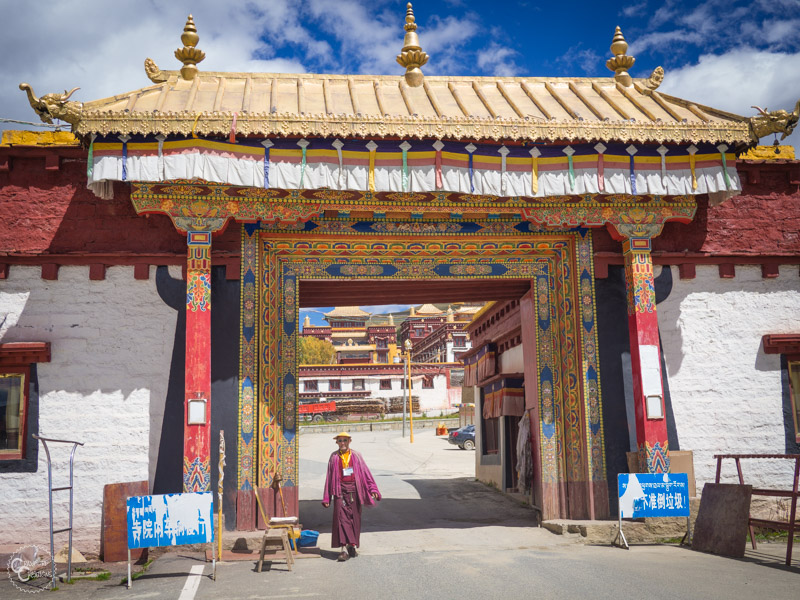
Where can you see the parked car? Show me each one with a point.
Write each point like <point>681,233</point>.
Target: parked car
<point>464,437</point>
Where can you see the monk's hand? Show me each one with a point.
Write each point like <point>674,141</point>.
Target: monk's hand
<point>374,495</point>
<point>326,504</point>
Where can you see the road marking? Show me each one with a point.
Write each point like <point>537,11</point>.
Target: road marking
<point>192,583</point>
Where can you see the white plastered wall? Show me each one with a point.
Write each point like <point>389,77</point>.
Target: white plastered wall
<point>726,392</point>
<point>111,348</point>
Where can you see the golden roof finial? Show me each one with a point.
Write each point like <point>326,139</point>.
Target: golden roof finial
<point>412,57</point>
<point>620,62</point>
<point>189,55</point>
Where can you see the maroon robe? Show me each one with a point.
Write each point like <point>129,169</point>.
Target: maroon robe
<point>349,495</point>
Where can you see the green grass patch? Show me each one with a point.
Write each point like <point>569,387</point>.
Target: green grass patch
<point>136,574</point>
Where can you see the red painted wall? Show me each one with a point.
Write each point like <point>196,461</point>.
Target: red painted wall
<point>49,211</point>
<point>763,220</point>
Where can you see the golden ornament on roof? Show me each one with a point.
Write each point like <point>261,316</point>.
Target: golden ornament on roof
<point>189,55</point>
<point>620,62</point>
<point>412,56</point>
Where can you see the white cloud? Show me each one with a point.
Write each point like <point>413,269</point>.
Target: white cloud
<point>736,80</point>
<point>498,60</point>
<point>101,46</point>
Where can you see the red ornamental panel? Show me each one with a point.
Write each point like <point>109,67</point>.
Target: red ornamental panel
<point>651,424</point>
<point>197,405</point>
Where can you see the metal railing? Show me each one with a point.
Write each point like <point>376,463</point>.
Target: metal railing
<point>51,489</point>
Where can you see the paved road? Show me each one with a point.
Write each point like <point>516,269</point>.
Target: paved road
<point>438,533</point>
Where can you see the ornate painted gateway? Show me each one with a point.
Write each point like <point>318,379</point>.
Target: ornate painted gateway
<point>391,179</point>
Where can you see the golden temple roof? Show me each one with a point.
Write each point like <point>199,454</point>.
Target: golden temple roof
<point>412,105</point>
<point>428,309</point>
<point>347,311</point>
<point>442,107</point>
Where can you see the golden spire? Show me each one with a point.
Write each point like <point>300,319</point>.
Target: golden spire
<point>412,56</point>
<point>620,62</point>
<point>189,55</point>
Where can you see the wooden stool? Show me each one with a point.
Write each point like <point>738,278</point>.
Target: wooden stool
<point>278,539</point>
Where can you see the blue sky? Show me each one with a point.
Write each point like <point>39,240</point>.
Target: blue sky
<point>727,54</point>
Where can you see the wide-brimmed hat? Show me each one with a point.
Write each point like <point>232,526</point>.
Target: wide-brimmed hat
<point>342,434</point>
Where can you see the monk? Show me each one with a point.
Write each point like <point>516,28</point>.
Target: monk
<point>351,485</point>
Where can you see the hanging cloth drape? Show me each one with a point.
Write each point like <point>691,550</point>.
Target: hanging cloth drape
<point>267,145</point>
<point>405,147</point>
<point>503,154</point>
<point>438,145</point>
<point>632,150</point>
<point>569,151</point>
<point>535,154</point>
<point>722,149</point>
<point>692,150</point>
<point>471,148</point>
<point>90,158</point>
<point>161,166</point>
<point>372,147</point>
<point>124,139</point>
<point>524,454</point>
<point>504,397</point>
<point>303,145</point>
<point>601,179</point>
<point>339,144</point>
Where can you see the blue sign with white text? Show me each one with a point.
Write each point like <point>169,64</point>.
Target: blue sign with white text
<point>653,495</point>
<point>170,520</point>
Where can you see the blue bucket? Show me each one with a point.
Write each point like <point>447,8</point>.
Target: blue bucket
<point>308,538</point>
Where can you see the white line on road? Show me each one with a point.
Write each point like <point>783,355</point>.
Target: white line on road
<point>192,583</point>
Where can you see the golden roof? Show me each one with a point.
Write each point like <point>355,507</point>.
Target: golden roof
<point>347,311</point>
<point>443,107</point>
<point>428,309</point>
<point>409,106</point>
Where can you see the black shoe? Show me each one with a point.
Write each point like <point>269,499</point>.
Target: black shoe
<point>343,556</point>
<point>351,550</point>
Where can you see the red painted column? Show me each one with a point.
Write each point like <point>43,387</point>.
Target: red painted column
<point>648,392</point>
<point>197,403</point>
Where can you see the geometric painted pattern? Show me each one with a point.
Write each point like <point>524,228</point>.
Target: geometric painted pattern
<point>567,339</point>
<point>248,358</point>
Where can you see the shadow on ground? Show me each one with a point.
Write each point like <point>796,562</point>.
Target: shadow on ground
<point>458,503</point>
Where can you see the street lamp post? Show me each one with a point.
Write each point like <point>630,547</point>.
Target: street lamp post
<point>408,346</point>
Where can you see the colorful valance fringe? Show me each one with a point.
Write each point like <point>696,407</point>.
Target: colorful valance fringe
<point>481,365</point>
<point>504,397</point>
<point>420,166</point>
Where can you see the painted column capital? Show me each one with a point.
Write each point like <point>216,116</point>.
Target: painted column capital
<point>635,231</point>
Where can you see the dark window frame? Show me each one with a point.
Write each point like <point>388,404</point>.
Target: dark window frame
<point>24,372</point>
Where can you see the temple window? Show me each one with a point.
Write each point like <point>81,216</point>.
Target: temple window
<point>310,385</point>
<point>358,384</point>
<point>335,385</point>
<point>794,392</point>
<point>427,382</point>
<point>13,412</point>
<point>386,384</point>
<point>18,418</point>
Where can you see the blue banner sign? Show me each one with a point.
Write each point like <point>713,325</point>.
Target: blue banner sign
<point>653,495</point>
<point>170,520</point>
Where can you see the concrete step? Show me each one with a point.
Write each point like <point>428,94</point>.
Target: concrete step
<point>640,531</point>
